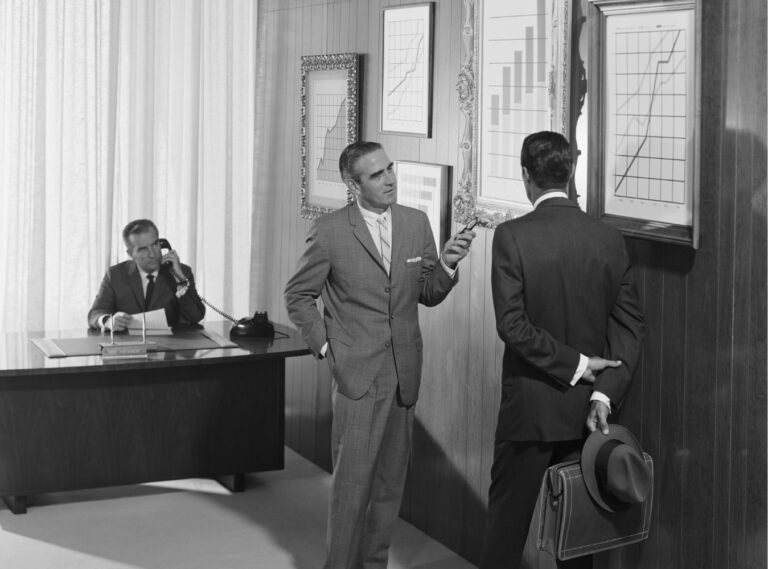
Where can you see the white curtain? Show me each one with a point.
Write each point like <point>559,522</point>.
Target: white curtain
<point>112,111</point>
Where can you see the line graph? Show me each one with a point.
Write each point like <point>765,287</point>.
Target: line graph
<point>650,103</point>
<point>406,69</point>
<point>330,135</point>
<point>404,81</point>
<point>645,177</point>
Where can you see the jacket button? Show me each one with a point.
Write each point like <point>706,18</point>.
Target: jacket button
<point>392,316</point>
<point>387,289</point>
<point>387,344</point>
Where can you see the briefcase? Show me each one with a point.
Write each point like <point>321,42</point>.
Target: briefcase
<point>571,524</point>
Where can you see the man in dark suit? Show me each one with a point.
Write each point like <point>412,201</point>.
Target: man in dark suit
<point>565,299</point>
<point>373,262</point>
<point>149,281</point>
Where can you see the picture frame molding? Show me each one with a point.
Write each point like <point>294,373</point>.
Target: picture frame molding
<point>441,203</point>
<point>350,64</point>
<point>467,203</point>
<point>425,123</point>
<point>641,227</point>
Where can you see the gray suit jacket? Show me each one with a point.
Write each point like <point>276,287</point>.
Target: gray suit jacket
<point>367,313</point>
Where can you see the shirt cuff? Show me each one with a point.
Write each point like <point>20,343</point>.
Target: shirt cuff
<point>580,369</point>
<point>451,272</point>
<point>103,322</point>
<point>323,350</point>
<point>181,291</point>
<point>598,396</point>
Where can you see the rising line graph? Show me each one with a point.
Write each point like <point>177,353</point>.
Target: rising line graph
<point>404,79</point>
<point>650,116</point>
<point>330,134</point>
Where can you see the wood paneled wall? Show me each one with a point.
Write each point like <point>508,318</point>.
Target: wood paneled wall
<point>698,403</point>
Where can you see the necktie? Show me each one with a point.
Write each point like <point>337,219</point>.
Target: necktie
<point>150,288</point>
<point>386,247</point>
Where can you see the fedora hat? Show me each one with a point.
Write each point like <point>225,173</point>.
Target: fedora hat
<point>614,469</point>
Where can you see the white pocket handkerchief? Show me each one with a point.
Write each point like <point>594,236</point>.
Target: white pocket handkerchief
<point>414,260</point>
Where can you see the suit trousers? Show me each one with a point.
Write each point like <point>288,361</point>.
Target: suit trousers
<point>516,475</point>
<point>371,446</point>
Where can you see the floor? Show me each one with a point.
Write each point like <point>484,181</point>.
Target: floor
<point>277,523</point>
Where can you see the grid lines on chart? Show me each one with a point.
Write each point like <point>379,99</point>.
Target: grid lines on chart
<point>516,101</point>
<point>650,116</point>
<point>405,81</point>
<point>330,134</point>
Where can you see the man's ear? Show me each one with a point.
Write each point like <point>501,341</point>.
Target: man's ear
<point>352,186</point>
<point>527,184</point>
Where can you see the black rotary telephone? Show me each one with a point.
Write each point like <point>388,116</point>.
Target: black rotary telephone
<point>258,326</point>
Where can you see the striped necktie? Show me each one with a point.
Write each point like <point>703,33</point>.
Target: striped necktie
<point>386,247</point>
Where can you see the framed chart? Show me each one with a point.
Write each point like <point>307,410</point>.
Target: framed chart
<point>644,125</point>
<point>425,187</point>
<point>329,121</point>
<point>514,81</point>
<point>406,82</point>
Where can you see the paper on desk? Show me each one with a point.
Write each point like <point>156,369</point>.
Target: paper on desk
<point>155,319</point>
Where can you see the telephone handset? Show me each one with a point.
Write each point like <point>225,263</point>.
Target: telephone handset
<point>164,244</point>
<point>259,325</point>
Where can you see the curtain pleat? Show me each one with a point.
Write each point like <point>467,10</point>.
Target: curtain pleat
<point>112,111</point>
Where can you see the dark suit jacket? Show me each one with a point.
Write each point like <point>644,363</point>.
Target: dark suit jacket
<point>562,285</point>
<point>366,311</point>
<point>121,290</point>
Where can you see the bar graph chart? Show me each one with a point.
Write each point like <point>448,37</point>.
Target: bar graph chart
<point>516,92</point>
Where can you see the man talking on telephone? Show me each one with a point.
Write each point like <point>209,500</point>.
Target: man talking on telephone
<point>150,280</point>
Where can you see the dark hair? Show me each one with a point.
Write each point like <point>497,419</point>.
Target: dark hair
<point>547,157</point>
<point>137,226</point>
<point>351,154</point>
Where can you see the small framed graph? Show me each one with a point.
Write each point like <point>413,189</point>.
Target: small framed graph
<point>406,82</point>
<point>425,187</point>
<point>644,118</point>
<point>514,80</point>
<point>329,121</point>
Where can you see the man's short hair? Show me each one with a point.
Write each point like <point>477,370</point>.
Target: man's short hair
<point>137,226</point>
<point>547,157</point>
<point>351,154</point>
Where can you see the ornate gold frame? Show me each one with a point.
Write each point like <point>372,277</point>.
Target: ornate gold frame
<point>341,75</point>
<point>468,202</point>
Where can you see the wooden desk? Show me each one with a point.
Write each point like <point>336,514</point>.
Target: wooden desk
<point>77,422</point>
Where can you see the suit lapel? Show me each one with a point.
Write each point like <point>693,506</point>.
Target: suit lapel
<point>363,235</point>
<point>134,281</point>
<point>400,236</point>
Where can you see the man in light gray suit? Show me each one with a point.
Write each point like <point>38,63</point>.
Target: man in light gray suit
<point>373,262</point>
